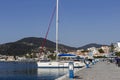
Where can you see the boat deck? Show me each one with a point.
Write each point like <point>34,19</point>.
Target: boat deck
<point>99,71</point>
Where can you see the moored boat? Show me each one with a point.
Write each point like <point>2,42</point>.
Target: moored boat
<point>57,63</point>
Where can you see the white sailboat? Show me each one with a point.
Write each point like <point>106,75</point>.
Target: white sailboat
<point>58,64</point>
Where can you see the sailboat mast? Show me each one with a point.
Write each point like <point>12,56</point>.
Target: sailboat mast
<point>57,29</point>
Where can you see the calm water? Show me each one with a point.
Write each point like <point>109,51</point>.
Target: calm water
<point>28,71</point>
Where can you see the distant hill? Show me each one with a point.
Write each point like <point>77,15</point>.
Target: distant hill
<point>91,45</point>
<point>32,44</point>
<point>29,44</point>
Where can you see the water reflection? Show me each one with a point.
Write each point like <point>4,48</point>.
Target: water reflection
<point>18,71</point>
<point>28,71</point>
<point>51,73</point>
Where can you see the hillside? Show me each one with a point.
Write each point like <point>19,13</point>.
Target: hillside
<point>91,45</point>
<point>32,44</point>
<point>27,45</point>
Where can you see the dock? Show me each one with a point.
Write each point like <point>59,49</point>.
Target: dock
<point>100,71</point>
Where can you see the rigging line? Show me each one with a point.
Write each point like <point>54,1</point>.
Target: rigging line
<point>49,25</point>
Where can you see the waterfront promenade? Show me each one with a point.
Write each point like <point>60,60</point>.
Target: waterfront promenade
<point>99,71</point>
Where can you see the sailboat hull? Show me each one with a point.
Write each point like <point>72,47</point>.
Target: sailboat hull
<point>59,64</point>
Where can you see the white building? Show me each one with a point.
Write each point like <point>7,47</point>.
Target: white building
<point>106,49</point>
<point>94,50</point>
<point>118,43</point>
<point>117,46</point>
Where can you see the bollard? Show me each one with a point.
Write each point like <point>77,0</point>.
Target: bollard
<point>93,62</point>
<point>87,63</point>
<point>71,70</point>
<point>87,66</point>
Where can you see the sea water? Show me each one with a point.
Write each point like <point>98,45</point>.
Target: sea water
<point>28,71</point>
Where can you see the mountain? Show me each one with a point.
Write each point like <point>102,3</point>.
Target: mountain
<point>28,45</point>
<point>91,45</point>
<point>32,44</point>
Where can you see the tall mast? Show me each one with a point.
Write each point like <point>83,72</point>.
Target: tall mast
<point>57,29</point>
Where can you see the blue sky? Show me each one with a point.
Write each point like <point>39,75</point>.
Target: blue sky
<point>80,21</point>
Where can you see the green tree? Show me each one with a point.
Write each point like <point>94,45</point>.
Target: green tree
<point>101,50</point>
<point>112,47</point>
<point>52,57</point>
<point>117,53</point>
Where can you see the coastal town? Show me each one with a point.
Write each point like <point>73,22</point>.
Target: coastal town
<point>59,40</point>
<point>102,52</point>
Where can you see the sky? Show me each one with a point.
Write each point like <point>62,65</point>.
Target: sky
<point>80,21</point>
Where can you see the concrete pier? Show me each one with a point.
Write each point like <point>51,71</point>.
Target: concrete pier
<point>99,71</point>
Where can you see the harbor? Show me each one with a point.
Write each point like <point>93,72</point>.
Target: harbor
<point>27,70</point>
<point>59,40</point>
<point>102,70</point>
<point>19,70</point>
